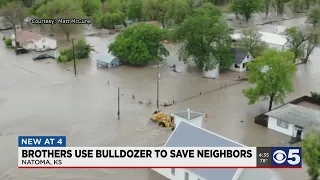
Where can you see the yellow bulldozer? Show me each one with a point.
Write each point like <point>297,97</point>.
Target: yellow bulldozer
<point>163,119</point>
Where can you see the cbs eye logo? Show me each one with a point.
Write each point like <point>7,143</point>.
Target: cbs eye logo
<point>293,157</point>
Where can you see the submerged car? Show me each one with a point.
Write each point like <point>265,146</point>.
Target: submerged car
<point>42,56</point>
<point>21,50</point>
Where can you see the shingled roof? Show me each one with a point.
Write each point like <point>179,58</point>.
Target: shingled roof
<point>297,115</point>
<point>238,54</point>
<point>23,36</point>
<point>188,135</point>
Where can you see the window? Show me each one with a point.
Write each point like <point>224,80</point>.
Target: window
<point>186,176</point>
<point>282,124</point>
<point>173,171</point>
<point>243,65</point>
<point>248,56</point>
<point>236,66</point>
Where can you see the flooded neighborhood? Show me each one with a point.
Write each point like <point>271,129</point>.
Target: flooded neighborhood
<point>46,98</point>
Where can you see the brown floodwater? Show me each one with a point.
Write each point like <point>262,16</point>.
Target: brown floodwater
<point>45,98</point>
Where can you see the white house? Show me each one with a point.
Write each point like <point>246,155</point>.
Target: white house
<point>241,58</point>
<point>189,133</point>
<point>33,41</point>
<point>293,120</point>
<point>274,41</point>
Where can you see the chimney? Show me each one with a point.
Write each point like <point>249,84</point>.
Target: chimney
<point>188,113</point>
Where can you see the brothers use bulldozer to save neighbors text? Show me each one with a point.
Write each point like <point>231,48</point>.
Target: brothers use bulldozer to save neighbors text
<point>163,119</point>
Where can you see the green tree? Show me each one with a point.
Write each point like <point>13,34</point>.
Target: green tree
<point>118,10</point>
<point>36,5</point>
<point>314,16</point>
<point>296,37</point>
<point>155,10</point>
<point>110,20</point>
<point>89,7</point>
<point>140,44</point>
<point>313,39</point>
<point>247,7</point>
<point>135,10</point>
<point>205,38</point>
<point>64,9</point>
<point>272,74</point>
<point>14,13</point>
<point>296,6</point>
<point>251,42</point>
<point>267,4</point>
<point>311,154</point>
<point>279,5</point>
<point>181,10</point>
<point>207,9</point>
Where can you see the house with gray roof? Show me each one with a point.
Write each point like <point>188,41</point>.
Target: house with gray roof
<point>188,134</point>
<point>108,60</point>
<point>241,58</point>
<point>293,120</point>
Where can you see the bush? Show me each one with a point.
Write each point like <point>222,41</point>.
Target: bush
<point>81,48</point>
<point>65,55</point>
<point>315,96</point>
<point>8,42</point>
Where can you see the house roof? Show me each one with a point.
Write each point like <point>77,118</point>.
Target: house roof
<point>297,115</point>
<point>188,135</point>
<point>267,37</point>
<point>272,38</point>
<point>23,36</point>
<point>261,174</point>
<point>108,58</point>
<point>239,55</point>
<point>189,115</point>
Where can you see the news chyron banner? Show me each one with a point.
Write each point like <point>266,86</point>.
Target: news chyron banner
<point>53,152</point>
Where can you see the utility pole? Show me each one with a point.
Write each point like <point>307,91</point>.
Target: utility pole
<point>118,103</point>
<point>158,78</point>
<point>74,59</point>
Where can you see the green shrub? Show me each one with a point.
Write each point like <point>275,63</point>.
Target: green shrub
<point>81,48</point>
<point>4,38</point>
<point>8,42</point>
<point>315,96</point>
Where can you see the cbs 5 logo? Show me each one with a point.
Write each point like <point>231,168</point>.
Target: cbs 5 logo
<point>293,156</point>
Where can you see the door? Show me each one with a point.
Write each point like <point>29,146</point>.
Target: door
<point>299,134</point>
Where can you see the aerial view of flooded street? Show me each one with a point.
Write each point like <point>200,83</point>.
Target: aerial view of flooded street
<point>45,98</point>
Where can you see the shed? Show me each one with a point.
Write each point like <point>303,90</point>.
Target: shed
<point>107,60</point>
<point>190,135</point>
<point>293,120</point>
<point>195,118</point>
